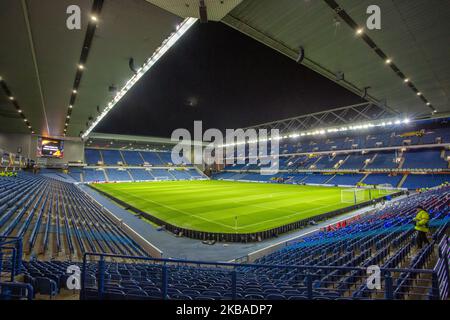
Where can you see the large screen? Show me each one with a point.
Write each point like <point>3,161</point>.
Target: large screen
<point>50,148</point>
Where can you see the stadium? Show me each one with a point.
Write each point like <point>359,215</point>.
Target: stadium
<point>334,184</point>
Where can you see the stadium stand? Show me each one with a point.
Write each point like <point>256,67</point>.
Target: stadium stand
<point>112,157</point>
<point>354,161</point>
<point>111,174</point>
<point>132,158</point>
<point>346,179</point>
<point>141,175</point>
<point>117,175</point>
<point>317,178</point>
<point>424,159</point>
<point>329,162</point>
<point>162,174</point>
<point>344,141</point>
<point>383,160</point>
<point>152,158</point>
<point>383,178</point>
<point>418,181</point>
<point>57,220</point>
<point>94,175</point>
<point>76,174</point>
<point>327,265</point>
<point>53,223</point>
<point>92,156</point>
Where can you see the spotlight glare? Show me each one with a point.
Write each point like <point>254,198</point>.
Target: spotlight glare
<point>406,80</point>
<point>359,31</point>
<point>388,61</point>
<point>419,93</point>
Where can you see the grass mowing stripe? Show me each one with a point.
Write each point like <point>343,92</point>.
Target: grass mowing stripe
<point>212,206</point>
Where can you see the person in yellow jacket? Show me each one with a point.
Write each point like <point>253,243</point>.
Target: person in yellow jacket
<point>421,220</point>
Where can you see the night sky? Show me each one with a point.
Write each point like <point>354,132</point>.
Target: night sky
<point>224,78</point>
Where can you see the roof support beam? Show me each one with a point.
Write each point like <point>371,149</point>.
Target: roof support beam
<point>36,67</point>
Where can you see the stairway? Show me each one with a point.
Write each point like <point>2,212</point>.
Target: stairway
<point>326,182</point>
<point>106,175</point>
<point>142,157</point>
<point>313,165</point>
<point>346,158</point>
<point>101,157</point>
<point>364,178</point>
<point>402,181</point>
<point>131,177</point>
<point>122,157</point>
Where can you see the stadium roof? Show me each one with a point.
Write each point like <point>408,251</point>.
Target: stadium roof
<point>41,64</point>
<point>40,57</point>
<point>414,35</point>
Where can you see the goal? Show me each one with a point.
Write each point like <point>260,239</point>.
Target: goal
<point>385,188</point>
<point>353,195</point>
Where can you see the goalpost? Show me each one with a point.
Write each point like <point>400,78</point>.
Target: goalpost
<point>353,195</point>
<point>385,188</point>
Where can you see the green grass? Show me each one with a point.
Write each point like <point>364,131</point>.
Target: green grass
<point>213,205</point>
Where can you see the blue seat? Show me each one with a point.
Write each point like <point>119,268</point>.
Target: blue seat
<point>254,296</point>
<point>274,296</point>
<point>46,286</point>
<point>114,294</point>
<point>298,297</point>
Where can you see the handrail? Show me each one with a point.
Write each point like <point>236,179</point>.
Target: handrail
<point>253,265</point>
<point>385,273</point>
<point>27,286</point>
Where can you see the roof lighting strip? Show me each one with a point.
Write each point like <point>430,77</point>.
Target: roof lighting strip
<point>13,100</point>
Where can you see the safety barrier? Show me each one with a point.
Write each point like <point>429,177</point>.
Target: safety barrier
<point>16,291</point>
<point>10,257</point>
<point>103,277</point>
<point>442,269</point>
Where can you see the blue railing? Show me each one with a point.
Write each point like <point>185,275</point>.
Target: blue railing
<point>10,257</point>
<point>441,269</point>
<point>16,291</point>
<point>233,275</point>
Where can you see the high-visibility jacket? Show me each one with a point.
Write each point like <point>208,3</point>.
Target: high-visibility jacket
<point>422,218</point>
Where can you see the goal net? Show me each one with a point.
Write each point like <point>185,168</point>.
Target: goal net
<point>353,195</point>
<point>385,188</point>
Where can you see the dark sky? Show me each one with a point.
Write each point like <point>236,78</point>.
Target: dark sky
<point>224,78</point>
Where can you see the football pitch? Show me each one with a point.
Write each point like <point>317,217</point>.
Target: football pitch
<point>227,206</point>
